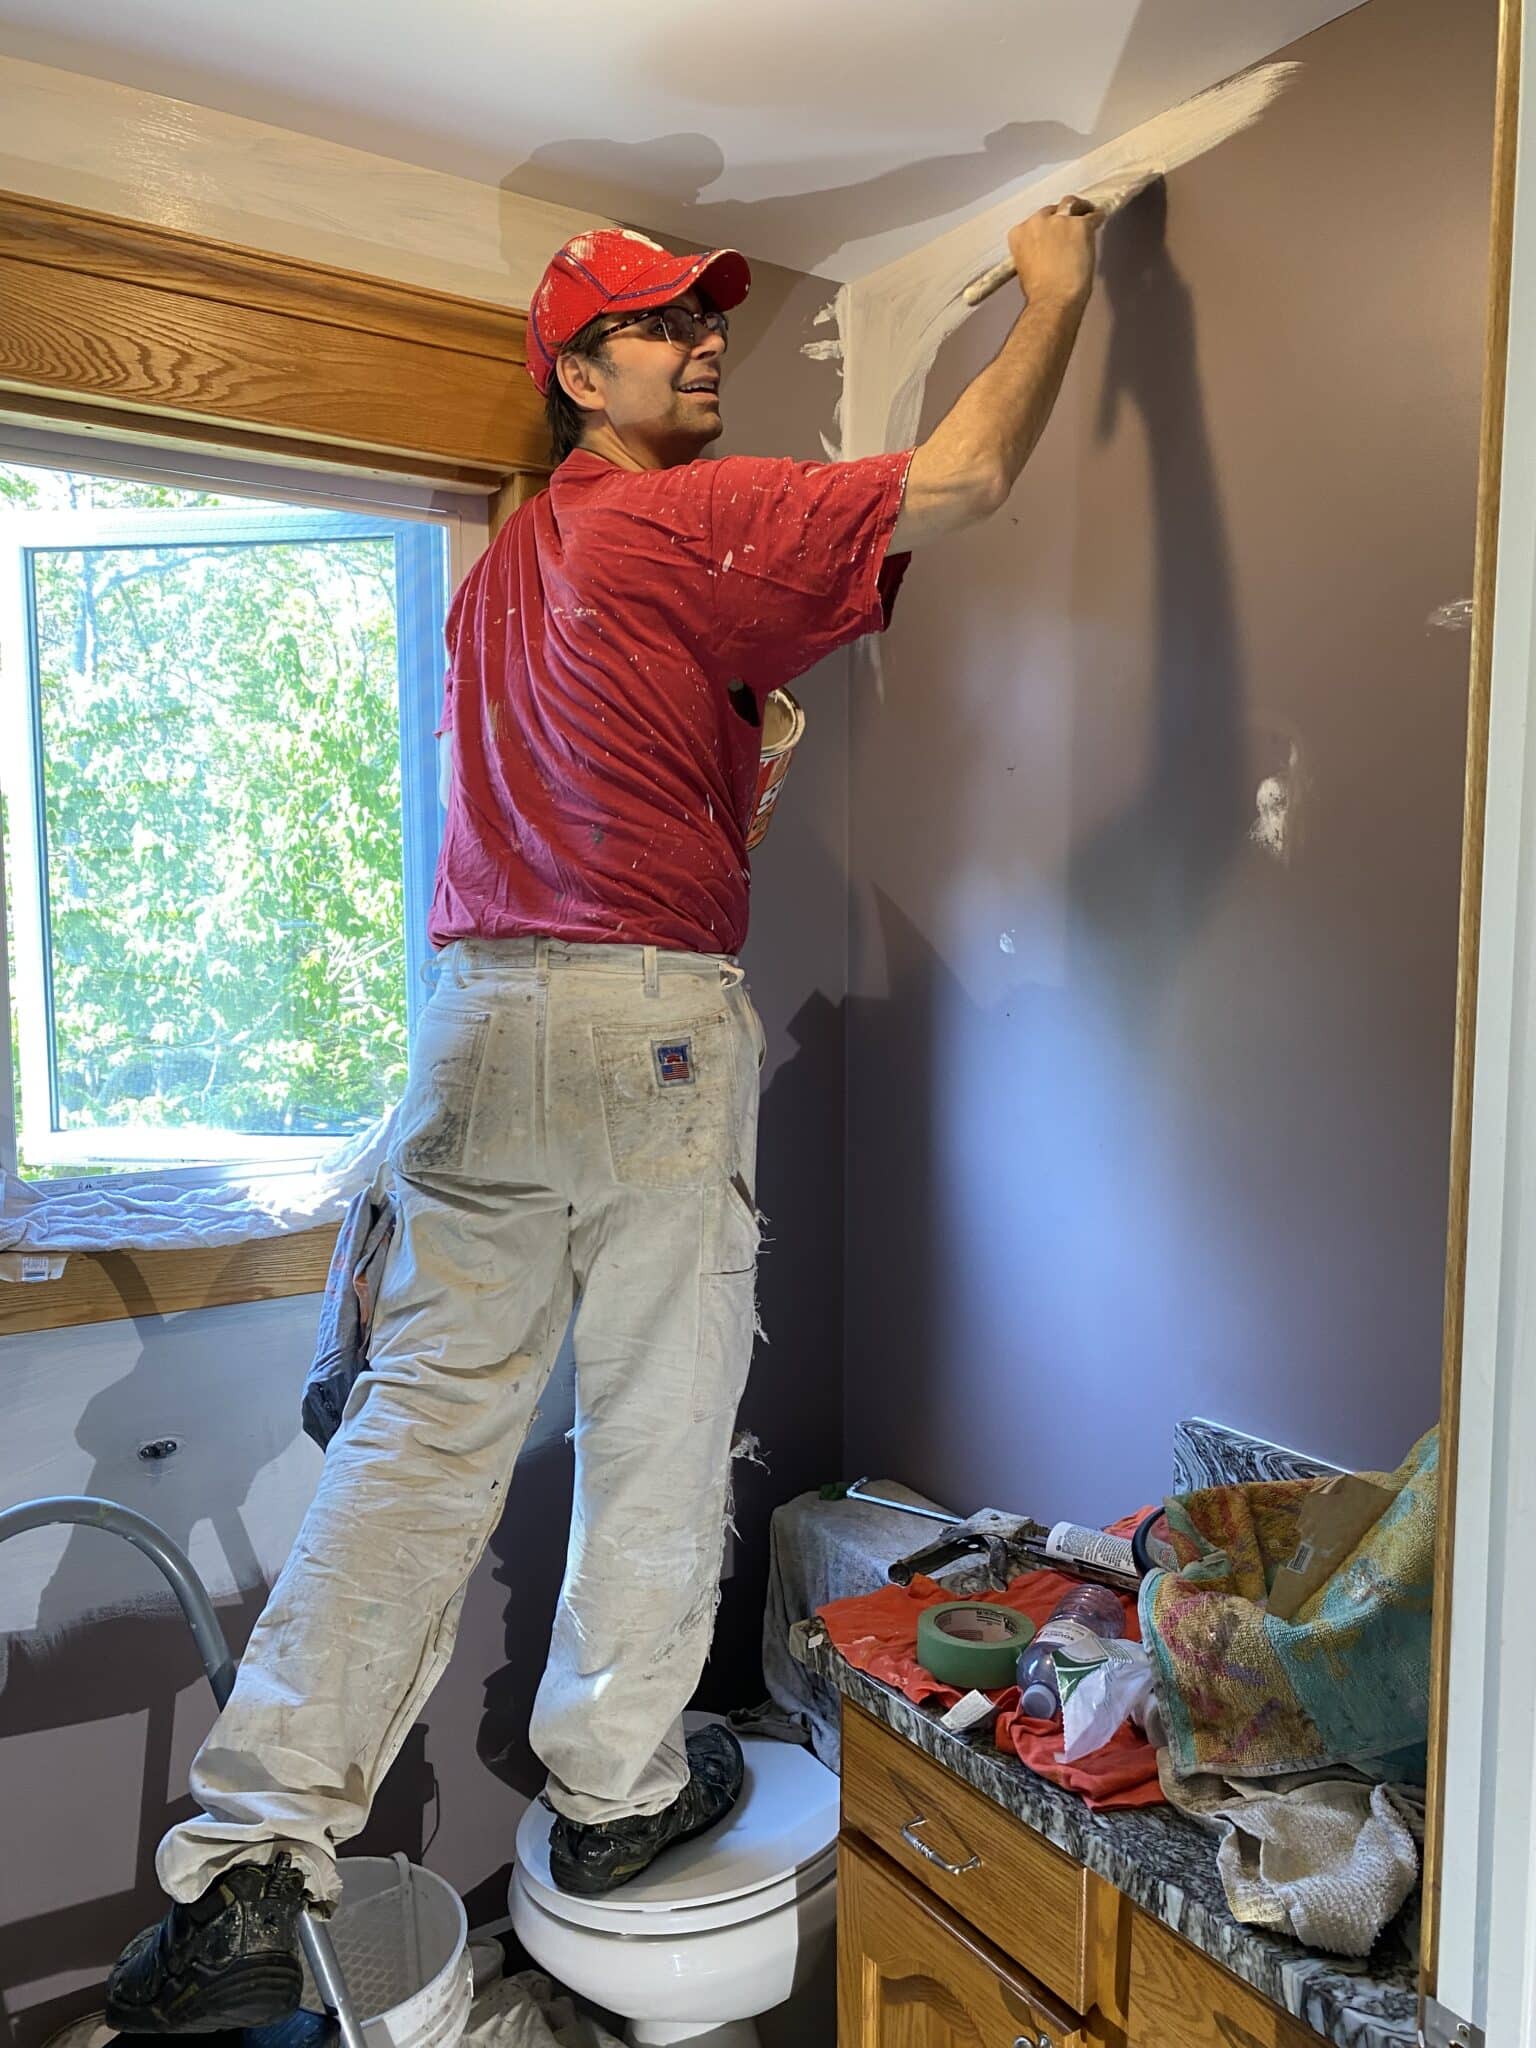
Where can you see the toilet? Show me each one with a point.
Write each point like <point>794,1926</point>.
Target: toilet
<point>715,1932</point>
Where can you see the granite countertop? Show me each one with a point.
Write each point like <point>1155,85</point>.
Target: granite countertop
<point>1166,1864</point>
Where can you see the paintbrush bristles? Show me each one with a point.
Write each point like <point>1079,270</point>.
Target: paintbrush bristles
<point>1112,194</point>
<point>1112,176</point>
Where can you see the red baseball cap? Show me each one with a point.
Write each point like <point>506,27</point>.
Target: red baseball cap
<point>617,270</point>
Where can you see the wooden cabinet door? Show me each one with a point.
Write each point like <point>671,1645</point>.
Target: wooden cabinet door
<point>1026,1897</point>
<point>1180,1996</point>
<point>912,1974</point>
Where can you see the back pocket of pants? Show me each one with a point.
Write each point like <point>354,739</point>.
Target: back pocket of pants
<point>667,1098</point>
<point>432,1125</point>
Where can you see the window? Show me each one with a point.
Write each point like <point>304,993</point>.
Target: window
<point>220,812</point>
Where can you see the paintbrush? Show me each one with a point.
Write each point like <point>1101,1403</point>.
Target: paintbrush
<point>1124,168</point>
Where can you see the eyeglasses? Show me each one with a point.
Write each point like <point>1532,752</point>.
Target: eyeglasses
<point>677,324</point>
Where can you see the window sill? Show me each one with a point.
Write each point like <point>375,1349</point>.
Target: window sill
<point>113,1286</point>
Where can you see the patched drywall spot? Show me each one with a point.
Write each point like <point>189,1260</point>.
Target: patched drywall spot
<point>1277,803</point>
<point>1456,617</point>
<point>1268,828</point>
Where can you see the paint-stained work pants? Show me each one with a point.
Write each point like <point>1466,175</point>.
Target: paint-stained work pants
<point>579,1121</point>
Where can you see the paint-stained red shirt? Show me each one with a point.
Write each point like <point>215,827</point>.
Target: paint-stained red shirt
<point>603,781</point>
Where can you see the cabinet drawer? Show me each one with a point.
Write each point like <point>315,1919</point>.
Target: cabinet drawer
<point>1037,1905</point>
<point>1177,1994</point>
<point>912,1974</point>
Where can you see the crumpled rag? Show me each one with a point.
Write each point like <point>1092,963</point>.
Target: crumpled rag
<point>346,1308</point>
<point>1345,1681</point>
<point>1328,1859</point>
<point>528,2011</point>
<point>821,1550</point>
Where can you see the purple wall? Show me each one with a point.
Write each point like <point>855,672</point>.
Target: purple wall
<point>1144,1122</point>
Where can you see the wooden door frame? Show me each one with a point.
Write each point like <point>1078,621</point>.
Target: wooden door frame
<point>1479,1918</point>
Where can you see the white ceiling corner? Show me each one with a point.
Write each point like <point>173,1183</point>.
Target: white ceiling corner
<point>829,135</point>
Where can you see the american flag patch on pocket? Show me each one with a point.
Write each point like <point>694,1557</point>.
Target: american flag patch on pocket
<point>674,1063</point>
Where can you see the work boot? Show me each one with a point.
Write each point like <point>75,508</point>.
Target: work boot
<point>593,1859</point>
<point>230,1959</point>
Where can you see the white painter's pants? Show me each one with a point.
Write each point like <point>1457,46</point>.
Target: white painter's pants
<point>579,1121</point>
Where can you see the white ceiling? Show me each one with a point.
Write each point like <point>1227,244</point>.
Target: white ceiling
<point>831,135</point>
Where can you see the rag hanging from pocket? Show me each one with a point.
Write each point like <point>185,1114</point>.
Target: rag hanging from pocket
<point>346,1309</point>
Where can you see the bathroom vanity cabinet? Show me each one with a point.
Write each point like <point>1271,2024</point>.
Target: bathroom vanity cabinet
<point>959,1925</point>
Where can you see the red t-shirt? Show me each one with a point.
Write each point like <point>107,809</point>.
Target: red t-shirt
<point>603,776</point>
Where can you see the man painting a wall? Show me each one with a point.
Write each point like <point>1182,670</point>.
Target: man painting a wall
<point>580,1117</point>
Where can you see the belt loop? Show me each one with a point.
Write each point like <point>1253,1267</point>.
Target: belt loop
<point>456,963</point>
<point>652,972</point>
<point>732,974</point>
<point>541,958</point>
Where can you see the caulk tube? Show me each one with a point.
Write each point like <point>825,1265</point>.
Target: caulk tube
<point>1071,1543</point>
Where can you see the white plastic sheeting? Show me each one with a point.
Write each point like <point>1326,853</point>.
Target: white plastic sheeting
<point>179,1213</point>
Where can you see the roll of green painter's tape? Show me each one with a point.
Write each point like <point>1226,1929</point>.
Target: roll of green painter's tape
<point>972,1644</point>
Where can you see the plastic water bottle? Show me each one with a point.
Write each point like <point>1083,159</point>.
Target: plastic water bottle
<point>1080,1620</point>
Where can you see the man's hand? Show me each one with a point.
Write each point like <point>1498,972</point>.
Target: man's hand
<point>965,469</point>
<point>1053,252</point>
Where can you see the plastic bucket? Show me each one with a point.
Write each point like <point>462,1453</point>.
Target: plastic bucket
<point>783,729</point>
<point>401,1934</point>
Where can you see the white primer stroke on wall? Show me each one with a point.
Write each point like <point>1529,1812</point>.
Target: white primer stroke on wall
<point>892,323</point>
<point>114,149</point>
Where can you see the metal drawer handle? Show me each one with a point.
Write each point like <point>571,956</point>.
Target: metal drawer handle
<point>912,1839</point>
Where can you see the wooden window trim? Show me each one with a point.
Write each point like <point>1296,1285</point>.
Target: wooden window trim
<point>121,428</point>
<point>105,1287</point>
<point>147,334</point>
<point>176,332</point>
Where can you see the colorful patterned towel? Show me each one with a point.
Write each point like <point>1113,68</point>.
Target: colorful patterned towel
<point>1345,1681</point>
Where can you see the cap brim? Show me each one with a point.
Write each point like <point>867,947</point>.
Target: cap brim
<point>724,276</point>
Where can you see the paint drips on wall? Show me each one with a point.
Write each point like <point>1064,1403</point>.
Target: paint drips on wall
<point>1456,617</point>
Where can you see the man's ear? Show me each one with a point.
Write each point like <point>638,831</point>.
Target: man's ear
<point>578,382</point>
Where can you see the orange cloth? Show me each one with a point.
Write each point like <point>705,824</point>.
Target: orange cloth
<point>877,1633</point>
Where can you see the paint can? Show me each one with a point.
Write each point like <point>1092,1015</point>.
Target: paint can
<point>783,729</point>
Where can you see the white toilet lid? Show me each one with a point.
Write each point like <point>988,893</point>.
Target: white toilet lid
<point>783,1828</point>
